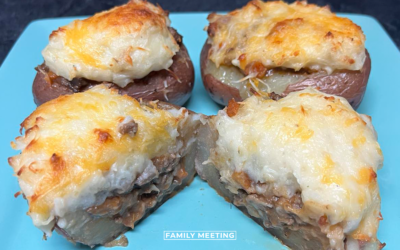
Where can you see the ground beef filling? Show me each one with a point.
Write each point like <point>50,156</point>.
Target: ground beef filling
<point>283,216</point>
<point>150,187</point>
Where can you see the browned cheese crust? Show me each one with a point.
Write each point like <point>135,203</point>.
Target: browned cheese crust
<point>173,85</point>
<point>346,83</point>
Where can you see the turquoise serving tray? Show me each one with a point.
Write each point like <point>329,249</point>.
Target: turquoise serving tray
<point>197,207</point>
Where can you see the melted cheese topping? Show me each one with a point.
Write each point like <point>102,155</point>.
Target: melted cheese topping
<point>119,45</point>
<point>294,36</point>
<point>74,154</point>
<point>308,142</point>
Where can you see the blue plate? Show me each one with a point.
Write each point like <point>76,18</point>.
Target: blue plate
<point>197,207</point>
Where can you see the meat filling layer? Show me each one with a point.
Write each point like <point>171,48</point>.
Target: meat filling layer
<point>103,223</point>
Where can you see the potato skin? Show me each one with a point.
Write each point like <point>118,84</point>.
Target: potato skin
<point>177,91</point>
<point>173,85</point>
<point>43,91</point>
<point>346,83</point>
<point>218,91</point>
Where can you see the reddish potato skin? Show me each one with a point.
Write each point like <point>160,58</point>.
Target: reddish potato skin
<point>346,83</point>
<point>43,91</point>
<point>218,91</point>
<point>152,86</point>
<point>149,88</point>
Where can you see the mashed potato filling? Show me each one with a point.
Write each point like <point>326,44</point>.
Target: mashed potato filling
<point>125,43</point>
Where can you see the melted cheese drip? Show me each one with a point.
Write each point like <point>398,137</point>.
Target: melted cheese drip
<point>293,36</point>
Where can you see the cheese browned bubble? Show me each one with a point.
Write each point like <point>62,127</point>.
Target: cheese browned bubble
<point>74,153</point>
<point>294,36</point>
<point>125,43</point>
<point>308,142</point>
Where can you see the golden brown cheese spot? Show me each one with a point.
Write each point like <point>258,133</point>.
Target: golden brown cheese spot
<point>241,58</point>
<point>303,133</point>
<point>289,110</point>
<point>364,235</point>
<point>57,164</point>
<point>305,94</point>
<point>351,121</point>
<point>302,110</point>
<point>354,120</point>
<point>128,59</point>
<point>55,33</point>
<point>255,4</point>
<point>242,179</point>
<point>256,69</point>
<point>323,221</point>
<point>350,60</point>
<point>33,198</point>
<point>329,35</point>
<point>102,135</point>
<point>366,175</point>
<point>233,108</point>
<point>360,236</point>
<point>31,144</point>
<point>329,98</point>
<point>39,119</point>
<point>21,170</point>
<point>329,175</point>
<point>300,129</point>
<point>360,140</point>
<point>33,169</point>
<point>281,31</point>
<point>31,130</point>
<point>337,108</point>
<point>332,178</point>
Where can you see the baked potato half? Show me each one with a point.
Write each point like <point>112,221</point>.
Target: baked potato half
<point>274,47</point>
<point>303,167</point>
<point>94,164</point>
<point>131,46</point>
